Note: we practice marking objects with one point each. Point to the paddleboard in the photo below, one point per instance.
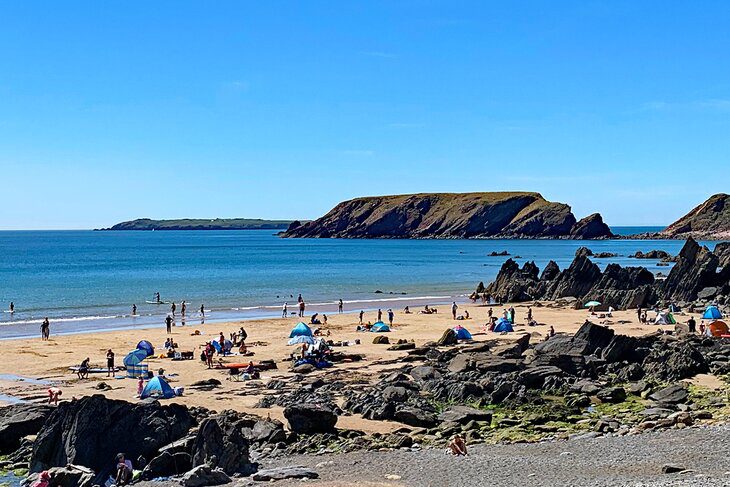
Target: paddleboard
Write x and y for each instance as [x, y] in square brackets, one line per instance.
[155, 302]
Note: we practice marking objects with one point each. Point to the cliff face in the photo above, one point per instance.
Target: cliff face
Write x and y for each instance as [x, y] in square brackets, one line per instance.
[449, 215]
[710, 220]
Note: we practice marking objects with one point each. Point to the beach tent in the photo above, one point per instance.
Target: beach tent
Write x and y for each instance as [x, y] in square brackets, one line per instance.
[147, 347]
[301, 330]
[719, 328]
[503, 325]
[135, 357]
[462, 333]
[664, 318]
[301, 339]
[712, 313]
[227, 346]
[379, 327]
[157, 387]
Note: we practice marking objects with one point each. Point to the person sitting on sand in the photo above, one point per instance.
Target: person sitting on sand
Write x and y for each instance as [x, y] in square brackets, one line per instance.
[251, 371]
[457, 446]
[552, 331]
[314, 320]
[54, 393]
[83, 371]
[407, 310]
[466, 314]
[124, 470]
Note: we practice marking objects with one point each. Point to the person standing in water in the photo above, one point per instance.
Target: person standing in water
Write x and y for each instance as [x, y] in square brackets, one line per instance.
[283, 310]
[134, 310]
[182, 308]
[157, 298]
[300, 299]
[45, 329]
[168, 324]
[173, 308]
[12, 307]
[202, 310]
[340, 306]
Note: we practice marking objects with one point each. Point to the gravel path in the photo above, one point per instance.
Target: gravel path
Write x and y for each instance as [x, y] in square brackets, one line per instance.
[627, 460]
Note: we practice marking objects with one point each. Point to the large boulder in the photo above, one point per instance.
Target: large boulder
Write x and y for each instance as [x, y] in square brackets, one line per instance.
[464, 414]
[167, 464]
[203, 476]
[92, 430]
[283, 473]
[67, 476]
[696, 269]
[19, 420]
[221, 443]
[310, 418]
[590, 227]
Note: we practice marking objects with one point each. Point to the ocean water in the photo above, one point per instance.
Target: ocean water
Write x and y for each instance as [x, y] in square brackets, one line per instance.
[85, 280]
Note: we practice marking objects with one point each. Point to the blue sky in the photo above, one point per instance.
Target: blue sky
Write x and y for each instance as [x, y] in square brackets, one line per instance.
[117, 110]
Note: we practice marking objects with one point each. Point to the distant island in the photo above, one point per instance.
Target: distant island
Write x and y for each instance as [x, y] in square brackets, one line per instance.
[452, 215]
[202, 224]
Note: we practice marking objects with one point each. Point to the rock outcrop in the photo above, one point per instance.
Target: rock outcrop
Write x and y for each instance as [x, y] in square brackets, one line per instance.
[92, 430]
[19, 420]
[452, 215]
[710, 220]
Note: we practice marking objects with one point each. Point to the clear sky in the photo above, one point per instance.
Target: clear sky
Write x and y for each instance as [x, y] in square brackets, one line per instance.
[116, 110]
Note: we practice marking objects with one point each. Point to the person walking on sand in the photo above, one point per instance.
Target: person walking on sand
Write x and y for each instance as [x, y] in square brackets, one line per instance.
[340, 306]
[454, 307]
[172, 309]
[529, 314]
[168, 324]
[362, 313]
[283, 309]
[110, 370]
[390, 316]
[302, 307]
[45, 329]
[638, 314]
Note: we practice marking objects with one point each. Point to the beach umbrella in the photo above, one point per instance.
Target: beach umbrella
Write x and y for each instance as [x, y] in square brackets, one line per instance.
[135, 357]
[712, 313]
[298, 340]
[590, 304]
[147, 347]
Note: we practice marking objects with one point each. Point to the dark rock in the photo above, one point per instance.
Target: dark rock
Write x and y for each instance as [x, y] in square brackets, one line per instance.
[19, 420]
[583, 252]
[381, 340]
[672, 468]
[415, 417]
[282, 473]
[513, 284]
[534, 377]
[67, 476]
[166, 464]
[402, 346]
[310, 418]
[396, 394]
[448, 338]
[204, 475]
[220, 443]
[675, 362]
[673, 394]
[267, 431]
[304, 369]
[612, 395]
[464, 414]
[92, 430]
[424, 372]
[591, 227]
[696, 269]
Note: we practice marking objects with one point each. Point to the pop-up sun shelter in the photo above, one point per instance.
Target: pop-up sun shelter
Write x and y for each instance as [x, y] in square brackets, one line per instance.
[301, 330]
[503, 325]
[718, 329]
[147, 347]
[301, 339]
[712, 313]
[157, 387]
[227, 346]
[462, 333]
[664, 318]
[133, 362]
[379, 327]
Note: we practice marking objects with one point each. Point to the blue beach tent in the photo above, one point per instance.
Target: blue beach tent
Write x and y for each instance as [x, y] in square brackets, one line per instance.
[503, 325]
[379, 327]
[227, 346]
[712, 313]
[462, 333]
[157, 387]
[135, 357]
[147, 347]
[300, 330]
[301, 339]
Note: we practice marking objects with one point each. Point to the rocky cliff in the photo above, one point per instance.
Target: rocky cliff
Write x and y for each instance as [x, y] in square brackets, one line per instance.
[452, 215]
[710, 220]
[700, 276]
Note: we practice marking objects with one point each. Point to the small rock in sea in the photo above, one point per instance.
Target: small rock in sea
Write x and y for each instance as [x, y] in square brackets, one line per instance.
[503, 253]
[672, 468]
[378, 291]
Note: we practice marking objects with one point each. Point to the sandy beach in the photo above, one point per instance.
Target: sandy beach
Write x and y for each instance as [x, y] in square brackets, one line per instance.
[50, 360]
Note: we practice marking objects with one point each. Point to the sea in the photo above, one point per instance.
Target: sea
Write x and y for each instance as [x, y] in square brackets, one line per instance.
[88, 280]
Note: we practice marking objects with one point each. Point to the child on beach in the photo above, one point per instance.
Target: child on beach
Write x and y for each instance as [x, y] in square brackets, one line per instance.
[53, 394]
[140, 386]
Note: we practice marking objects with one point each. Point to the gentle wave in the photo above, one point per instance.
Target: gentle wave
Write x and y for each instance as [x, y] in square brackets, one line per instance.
[60, 320]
